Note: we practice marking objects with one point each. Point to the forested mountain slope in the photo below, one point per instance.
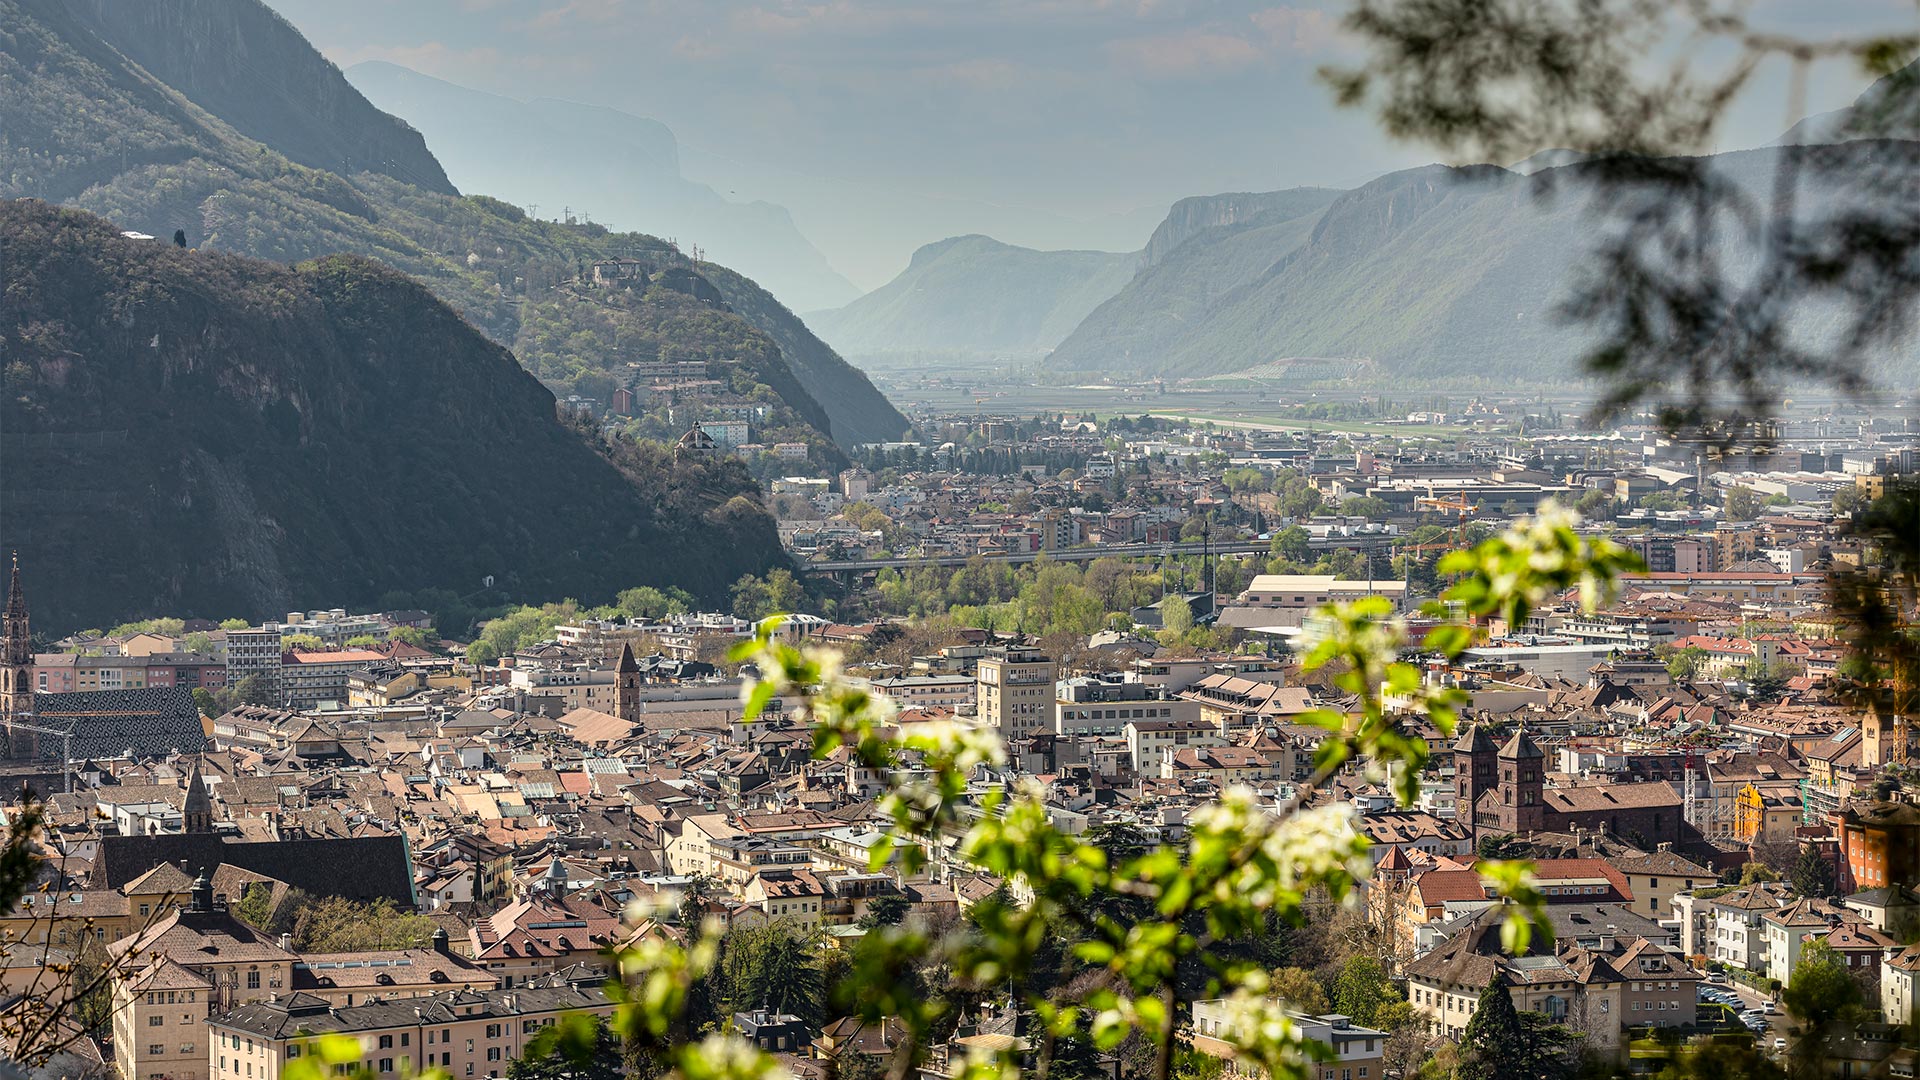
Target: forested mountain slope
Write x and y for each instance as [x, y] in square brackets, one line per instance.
[84, 124]
[207, 434]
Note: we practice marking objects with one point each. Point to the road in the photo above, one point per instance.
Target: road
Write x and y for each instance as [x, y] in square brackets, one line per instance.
[1074, 554]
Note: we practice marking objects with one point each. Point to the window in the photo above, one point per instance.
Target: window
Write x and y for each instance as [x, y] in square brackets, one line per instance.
[155, 1049]
[446, 1059]
[386, 1043]
[186, 1048]
[253, 979]
[493, 1053]
[406, 1038]
[386, 1065]
[155, 1020]
[293, 1051]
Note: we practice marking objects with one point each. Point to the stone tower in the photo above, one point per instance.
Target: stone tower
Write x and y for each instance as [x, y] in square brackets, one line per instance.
[626, 676]
[16, 670]
[1475, 772]
[198, 810]
[1523, 785]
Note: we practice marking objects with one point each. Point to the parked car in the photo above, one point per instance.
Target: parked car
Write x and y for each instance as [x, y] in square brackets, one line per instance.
[1716, 976]
[1779, 1043]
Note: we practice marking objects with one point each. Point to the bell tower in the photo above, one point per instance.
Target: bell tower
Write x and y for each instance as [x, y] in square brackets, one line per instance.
[626, 675]
[198, 810]
[16, 670]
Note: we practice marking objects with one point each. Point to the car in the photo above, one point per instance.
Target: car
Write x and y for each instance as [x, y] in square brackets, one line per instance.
[1779, 1042]
[1773, 1009]
[1716, 976]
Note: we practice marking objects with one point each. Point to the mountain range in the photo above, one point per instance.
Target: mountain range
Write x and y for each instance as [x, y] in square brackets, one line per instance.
[244, 140]
[1458, 275]
[974, 294]
[88, 126]
[624, 169]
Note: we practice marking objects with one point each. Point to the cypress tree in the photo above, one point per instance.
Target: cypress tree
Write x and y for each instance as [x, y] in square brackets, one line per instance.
[1490, 1047]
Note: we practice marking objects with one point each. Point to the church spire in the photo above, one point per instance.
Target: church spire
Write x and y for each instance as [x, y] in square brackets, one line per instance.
[16, 596]
[198, 809]
[16, 669]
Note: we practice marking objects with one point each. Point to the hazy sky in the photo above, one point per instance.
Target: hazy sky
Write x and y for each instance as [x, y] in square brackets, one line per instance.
[885, 124]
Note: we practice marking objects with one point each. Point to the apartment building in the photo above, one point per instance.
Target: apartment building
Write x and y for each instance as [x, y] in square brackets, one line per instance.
[1014, 689]
[312, 679]
[463, 1033]
[255, 653]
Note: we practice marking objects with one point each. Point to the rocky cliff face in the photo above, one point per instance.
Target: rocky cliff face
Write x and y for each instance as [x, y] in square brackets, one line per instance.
[1192, 216]
[248, 66]
[208, 434]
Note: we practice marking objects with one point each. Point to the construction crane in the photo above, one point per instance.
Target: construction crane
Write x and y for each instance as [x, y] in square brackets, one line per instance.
[1446, 504]
[66, 741]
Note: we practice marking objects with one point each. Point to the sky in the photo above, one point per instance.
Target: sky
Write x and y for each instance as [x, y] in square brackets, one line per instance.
[886, 124]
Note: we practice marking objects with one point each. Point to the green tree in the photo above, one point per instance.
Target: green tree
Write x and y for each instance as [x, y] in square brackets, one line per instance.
[1489, 1048]
[1371, 507]
[412, 635]
[204, 701]
[1766, 681]
[1595, 505]
[1741, 504]
[1293, 544]
[337, 924]
[197, 642]
[1683, 664]
[1812, 873]
[647, 602]
[1547, 1047]
[580, 1047]
[254, 690]
[235, 624]
[888, 909]
[1499, 846]
[1849, 500]
[772, 966]
[1363, 990]
[1300, 991]
[482, 653]
[1822, 992]
[1176, 615]
[290, 642]
[1756, 871]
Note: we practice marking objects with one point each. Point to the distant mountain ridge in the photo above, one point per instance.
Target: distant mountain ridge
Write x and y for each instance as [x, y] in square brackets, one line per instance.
[974, 294]
[624, 169]
[1438, 273]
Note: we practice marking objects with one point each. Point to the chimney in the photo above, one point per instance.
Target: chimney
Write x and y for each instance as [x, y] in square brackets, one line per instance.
[441, 944]
[286, 942]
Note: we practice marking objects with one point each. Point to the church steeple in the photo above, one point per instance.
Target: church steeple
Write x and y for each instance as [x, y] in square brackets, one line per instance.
[626, 674]
[198, 809]
[16, 667]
